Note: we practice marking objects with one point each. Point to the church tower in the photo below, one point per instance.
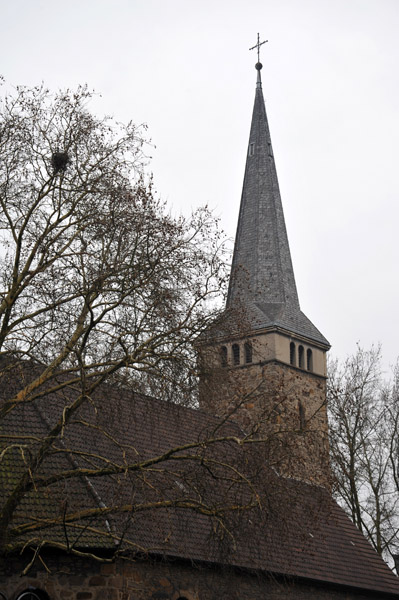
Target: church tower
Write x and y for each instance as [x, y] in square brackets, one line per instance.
[264, 362]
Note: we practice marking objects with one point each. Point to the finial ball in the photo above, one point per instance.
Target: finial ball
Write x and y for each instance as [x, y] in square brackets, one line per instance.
[258, 66]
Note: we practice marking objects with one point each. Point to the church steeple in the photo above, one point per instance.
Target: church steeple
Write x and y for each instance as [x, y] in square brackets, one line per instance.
[262, 280]
[263, 362]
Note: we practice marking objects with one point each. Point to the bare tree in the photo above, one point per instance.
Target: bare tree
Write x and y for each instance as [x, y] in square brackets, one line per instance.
[95, 275]
[364, 429]
[98, 282]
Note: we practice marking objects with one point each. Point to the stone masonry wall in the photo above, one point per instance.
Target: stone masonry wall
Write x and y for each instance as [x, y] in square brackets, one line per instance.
[74, 578]
[275, 398]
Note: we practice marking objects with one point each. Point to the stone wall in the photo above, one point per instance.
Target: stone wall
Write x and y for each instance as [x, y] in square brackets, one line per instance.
[74, 578]
[278, 401]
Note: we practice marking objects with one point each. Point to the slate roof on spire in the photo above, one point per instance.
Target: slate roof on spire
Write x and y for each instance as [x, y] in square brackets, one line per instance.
[262, 280]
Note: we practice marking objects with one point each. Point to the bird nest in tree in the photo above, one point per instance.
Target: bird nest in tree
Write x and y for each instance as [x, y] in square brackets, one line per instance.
[60, 161]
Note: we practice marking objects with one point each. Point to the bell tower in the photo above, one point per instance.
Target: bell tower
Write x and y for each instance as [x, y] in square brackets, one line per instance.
[263, 361]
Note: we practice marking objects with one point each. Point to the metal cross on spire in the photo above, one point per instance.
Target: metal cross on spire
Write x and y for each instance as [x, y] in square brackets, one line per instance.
[258, 45]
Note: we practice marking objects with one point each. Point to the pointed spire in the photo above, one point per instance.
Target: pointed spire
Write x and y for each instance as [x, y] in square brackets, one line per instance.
[262, 280]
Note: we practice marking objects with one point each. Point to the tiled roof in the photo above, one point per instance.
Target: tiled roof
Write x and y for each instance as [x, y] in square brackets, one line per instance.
[298, 531]
[252, 317]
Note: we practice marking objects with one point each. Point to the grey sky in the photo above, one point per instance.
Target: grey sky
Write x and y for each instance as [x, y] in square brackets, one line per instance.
[330, 80]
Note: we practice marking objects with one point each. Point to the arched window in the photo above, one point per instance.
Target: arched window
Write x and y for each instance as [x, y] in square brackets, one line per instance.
[292, 354]
[33, 594]
[248, 352]
[236, 354]
[223, 356]
[309, 360]
[300, 357]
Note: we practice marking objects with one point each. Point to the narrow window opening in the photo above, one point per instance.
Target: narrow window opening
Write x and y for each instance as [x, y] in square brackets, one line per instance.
[251, 149]
[223, 356]
[236, 354]
[309, 360]
[248, 352]
[292, 354]
[302, 416]
[300, 357]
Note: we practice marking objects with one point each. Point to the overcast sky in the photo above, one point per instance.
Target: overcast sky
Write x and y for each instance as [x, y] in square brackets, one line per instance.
[330, 80]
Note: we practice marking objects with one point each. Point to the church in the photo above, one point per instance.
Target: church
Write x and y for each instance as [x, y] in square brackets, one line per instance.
[262, 403]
